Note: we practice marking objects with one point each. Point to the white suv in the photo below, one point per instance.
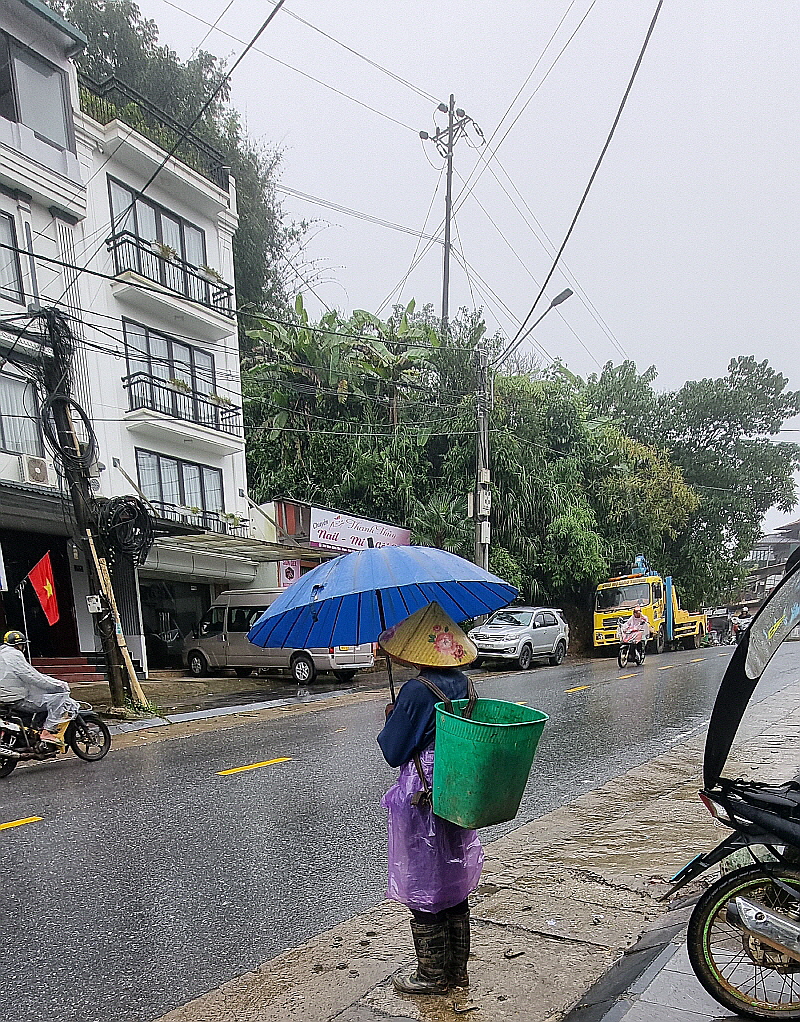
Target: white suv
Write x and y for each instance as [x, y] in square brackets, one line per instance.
[522, 633]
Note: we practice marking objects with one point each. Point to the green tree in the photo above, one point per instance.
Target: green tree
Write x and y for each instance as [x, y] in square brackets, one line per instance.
[721, 434]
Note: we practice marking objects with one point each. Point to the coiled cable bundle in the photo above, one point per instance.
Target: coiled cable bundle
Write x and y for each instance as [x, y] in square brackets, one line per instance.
[127, 527]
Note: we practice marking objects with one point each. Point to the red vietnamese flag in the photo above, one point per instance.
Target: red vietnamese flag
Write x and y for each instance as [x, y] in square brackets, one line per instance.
[41, 578]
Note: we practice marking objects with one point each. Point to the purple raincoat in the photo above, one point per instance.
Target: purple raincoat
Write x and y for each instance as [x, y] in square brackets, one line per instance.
[433, 864]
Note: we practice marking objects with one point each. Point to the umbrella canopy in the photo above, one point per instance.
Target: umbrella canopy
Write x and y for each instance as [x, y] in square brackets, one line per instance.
[778, 615]
[353, 598]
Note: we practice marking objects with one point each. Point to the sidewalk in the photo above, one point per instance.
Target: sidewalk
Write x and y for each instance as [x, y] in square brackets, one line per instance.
[667, 991]
[567, 905]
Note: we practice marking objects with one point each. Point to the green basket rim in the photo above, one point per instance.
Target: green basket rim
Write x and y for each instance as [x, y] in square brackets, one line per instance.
[543, 717]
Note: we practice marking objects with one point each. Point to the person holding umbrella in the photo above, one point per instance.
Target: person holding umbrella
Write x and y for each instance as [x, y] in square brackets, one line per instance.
[433, 864]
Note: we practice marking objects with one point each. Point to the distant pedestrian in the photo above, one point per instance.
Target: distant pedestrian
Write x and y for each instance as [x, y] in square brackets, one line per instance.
[433, 864]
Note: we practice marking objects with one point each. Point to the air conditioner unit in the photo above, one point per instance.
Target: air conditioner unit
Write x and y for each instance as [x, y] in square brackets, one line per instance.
[38, 471]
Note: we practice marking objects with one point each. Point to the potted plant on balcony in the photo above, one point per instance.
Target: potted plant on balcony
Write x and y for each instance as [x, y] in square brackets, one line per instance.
[220, 400]
[211, 275]
[167, 252]
[231, 519]
[180, 386]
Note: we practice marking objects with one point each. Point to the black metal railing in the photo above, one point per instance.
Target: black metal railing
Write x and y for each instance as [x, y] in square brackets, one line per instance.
[158, 395]
[212, 521]
[112, 100]
[150, 260]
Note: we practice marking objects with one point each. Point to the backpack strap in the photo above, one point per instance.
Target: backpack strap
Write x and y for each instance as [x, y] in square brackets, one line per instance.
[472, 695]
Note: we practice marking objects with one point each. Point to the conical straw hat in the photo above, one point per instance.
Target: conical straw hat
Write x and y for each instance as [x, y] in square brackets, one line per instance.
[428, 638]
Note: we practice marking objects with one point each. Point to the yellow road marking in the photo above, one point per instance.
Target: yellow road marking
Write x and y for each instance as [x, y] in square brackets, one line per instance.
[722, 654]
[622, 676]
[697, 660]
[339, 730]
[523, 703]
[580, 688]
[668, 667]
[253, 766]
[20, 823]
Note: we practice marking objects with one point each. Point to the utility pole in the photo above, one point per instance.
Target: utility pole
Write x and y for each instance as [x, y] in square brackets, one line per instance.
[445, 139]
[448, 215]
[482, 497]
[74, 457]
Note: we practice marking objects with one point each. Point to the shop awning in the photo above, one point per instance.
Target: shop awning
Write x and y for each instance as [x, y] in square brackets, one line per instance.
[238, 546]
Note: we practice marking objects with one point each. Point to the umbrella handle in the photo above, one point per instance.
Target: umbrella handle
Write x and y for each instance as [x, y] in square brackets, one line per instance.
[382, 617]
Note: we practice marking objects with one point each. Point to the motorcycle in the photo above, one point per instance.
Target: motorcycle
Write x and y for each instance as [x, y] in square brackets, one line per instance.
[631, 651]
[20, 738]
[743, 938]
[631, 644]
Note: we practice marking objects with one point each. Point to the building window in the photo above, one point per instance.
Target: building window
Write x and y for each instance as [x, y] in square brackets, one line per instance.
[164, 358]
[154, 224]
[19, 424]
[179, 483]
[34, 93]
[10, 274]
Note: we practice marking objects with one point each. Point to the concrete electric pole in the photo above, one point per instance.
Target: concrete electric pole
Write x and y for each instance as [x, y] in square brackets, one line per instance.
[482, 497]
[445, 139]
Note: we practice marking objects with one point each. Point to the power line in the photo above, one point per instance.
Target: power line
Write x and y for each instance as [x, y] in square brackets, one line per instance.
[568, 273]
[297, 70]
[368, 60]
[237, 313]
[211, 28]
[485, 154]
[353, 212]
[422, 234]
[169, 154]
[486, 159]
[520, 336]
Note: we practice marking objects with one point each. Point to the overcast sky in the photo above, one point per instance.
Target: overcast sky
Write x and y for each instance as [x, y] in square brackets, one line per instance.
[688, 245]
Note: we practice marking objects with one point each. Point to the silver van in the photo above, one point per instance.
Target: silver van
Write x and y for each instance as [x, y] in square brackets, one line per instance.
[220, 640]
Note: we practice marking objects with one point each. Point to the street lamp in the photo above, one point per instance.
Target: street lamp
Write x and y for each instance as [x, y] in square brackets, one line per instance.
[565, 294]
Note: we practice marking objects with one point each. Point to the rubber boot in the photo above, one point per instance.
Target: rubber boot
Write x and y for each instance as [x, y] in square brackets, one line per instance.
[457, 950]
[430, 943]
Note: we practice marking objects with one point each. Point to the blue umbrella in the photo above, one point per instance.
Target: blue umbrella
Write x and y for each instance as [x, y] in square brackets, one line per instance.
[353, 598]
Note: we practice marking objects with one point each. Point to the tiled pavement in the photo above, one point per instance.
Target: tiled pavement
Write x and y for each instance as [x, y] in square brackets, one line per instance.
[652, 982]
[667, 991]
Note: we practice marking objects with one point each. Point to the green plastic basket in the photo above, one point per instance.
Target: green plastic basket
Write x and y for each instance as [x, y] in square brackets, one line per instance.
[482, 764]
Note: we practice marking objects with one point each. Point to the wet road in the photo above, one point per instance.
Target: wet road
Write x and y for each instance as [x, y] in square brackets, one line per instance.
[155, 878]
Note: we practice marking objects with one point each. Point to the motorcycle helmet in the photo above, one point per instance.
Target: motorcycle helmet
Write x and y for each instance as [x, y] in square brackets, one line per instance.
[15, 638]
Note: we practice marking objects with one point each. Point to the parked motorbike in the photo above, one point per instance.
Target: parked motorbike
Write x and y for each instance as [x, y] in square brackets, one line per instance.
[20, 738]
[743, 938]
[631, 651]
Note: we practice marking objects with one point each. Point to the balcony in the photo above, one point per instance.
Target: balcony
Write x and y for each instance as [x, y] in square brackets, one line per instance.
[114, 100]
[188, 299]
[184, 415]
[195, 518]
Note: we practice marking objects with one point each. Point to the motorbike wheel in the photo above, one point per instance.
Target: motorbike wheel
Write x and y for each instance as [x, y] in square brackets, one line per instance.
[746, 976]
[622, 655]
[6, 766]
[89, 737]
[640, 655]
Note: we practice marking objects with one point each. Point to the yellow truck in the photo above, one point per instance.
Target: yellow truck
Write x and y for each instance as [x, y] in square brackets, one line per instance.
[615, 599]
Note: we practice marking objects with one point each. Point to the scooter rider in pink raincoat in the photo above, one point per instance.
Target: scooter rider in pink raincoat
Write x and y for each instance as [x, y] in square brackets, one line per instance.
[635, 630]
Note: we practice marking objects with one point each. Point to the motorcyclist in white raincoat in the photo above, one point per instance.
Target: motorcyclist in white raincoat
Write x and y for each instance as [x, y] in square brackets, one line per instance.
[23, 688]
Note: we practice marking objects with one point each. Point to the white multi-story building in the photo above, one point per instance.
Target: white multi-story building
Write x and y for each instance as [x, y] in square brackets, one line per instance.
[42, 199]
[137, 248]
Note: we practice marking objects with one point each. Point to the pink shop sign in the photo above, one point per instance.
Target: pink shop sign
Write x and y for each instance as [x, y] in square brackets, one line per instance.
[334, 531]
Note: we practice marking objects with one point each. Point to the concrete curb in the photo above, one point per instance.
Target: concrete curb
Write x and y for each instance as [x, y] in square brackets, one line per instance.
[627, 973]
